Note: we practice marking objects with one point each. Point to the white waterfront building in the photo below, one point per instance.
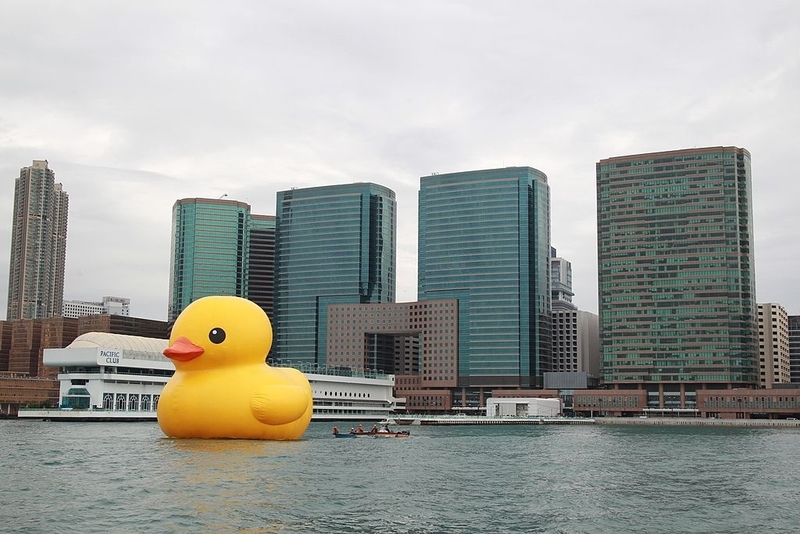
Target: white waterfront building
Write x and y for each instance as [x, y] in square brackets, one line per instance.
[118, 377]
[523, 407]
[109, 306]
[112, 373]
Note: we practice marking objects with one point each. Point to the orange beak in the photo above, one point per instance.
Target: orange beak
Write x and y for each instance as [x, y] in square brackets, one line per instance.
[183, 350]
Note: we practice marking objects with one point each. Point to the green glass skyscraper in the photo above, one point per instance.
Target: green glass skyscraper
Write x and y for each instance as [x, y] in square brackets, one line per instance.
[484, 239]
[335, 244]
[210, 251]
[676, 273]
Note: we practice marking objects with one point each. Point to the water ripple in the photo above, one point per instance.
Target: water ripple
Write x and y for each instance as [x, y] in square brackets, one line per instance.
[127, 477]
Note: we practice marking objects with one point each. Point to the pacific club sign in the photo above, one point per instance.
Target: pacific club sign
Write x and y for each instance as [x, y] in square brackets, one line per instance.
[110, 356]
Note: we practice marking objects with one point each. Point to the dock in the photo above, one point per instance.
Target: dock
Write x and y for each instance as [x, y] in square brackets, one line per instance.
[442, 420]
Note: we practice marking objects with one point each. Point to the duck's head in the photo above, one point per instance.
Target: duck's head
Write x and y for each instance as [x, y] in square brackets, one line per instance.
[219, 331]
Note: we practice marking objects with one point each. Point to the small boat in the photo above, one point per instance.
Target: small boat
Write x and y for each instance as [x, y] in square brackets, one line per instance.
[379, 434]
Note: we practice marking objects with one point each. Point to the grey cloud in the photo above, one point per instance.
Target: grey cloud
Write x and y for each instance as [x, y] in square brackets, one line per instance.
[137, 104]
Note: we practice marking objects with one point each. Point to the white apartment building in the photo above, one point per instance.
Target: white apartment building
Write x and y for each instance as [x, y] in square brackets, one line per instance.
[109, 306]
[576, 342]
[773, 345]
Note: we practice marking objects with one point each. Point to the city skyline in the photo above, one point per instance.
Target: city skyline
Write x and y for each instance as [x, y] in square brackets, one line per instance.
[319, 96]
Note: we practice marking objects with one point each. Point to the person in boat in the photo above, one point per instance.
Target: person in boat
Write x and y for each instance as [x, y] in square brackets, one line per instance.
[374, 429]
[352, 430]
[360, 428]
[386, 429]
[335, 430]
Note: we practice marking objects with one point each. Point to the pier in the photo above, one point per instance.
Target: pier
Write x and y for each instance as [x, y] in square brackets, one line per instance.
[440, 420]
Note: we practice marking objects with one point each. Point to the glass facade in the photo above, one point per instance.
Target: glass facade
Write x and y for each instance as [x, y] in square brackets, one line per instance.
[261, 277]
[676, 272]
[210, 251]
[335, 245]
[484, 239]
[794, 348]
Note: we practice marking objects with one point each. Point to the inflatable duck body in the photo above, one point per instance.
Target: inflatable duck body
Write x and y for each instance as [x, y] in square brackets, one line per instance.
[222, 387]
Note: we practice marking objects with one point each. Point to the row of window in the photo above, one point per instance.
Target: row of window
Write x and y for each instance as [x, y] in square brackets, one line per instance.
[617, 401]
[130, 402]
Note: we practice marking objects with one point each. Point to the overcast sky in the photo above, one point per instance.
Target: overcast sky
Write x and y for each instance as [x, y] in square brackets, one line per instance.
[138, 104]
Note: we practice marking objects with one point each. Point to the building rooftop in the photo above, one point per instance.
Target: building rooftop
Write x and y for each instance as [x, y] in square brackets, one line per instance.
[143, 348]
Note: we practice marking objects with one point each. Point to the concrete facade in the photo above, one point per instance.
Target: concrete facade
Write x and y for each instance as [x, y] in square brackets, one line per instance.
[415, 341]
[773, 345]
[576, 342]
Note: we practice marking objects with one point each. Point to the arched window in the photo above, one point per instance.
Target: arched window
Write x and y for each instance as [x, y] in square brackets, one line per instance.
[122, 401]
[133, 403]
[145, 403]
[108, 401]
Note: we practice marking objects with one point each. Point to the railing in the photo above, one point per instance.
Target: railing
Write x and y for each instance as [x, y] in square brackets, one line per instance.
[69, 409]
[335, 370]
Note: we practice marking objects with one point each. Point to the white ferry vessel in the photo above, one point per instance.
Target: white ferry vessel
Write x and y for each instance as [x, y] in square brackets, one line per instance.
[114, 377]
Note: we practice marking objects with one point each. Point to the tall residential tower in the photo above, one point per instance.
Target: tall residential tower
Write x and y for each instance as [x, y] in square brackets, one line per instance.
[676, 273]
[484, 240]
[38, 245]
[335, 245]
[773, 345]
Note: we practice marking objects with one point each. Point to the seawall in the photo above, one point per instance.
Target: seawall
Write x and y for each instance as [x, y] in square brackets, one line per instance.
[696, 421]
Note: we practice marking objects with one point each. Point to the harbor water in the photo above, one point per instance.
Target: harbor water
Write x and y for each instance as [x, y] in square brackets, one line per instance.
[128, 477]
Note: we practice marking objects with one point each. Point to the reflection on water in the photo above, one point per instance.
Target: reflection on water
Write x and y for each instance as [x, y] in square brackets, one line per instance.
[231, 481]
[127, 477]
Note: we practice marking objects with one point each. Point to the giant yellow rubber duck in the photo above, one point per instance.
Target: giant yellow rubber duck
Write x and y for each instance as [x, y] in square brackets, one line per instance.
[222, 387]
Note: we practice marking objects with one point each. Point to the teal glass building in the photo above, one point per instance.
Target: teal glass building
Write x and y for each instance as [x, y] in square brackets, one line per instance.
[676, 273]
[210, 251]
[484, 239]
[335, 245]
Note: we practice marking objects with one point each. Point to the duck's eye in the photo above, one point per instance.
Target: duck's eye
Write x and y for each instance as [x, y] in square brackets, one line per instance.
[217, 335]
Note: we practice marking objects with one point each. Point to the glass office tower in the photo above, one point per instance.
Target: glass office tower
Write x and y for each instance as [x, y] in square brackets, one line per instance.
[676, 273]
[210, 251]
[335, 245]
[38, 245]
[484, 239]
[794, 348]
[261, 279]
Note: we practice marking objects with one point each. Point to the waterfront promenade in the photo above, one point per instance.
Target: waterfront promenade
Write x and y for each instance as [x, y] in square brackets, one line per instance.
[697, 421]
[445, 420]
[450, 420]
[442, 420]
